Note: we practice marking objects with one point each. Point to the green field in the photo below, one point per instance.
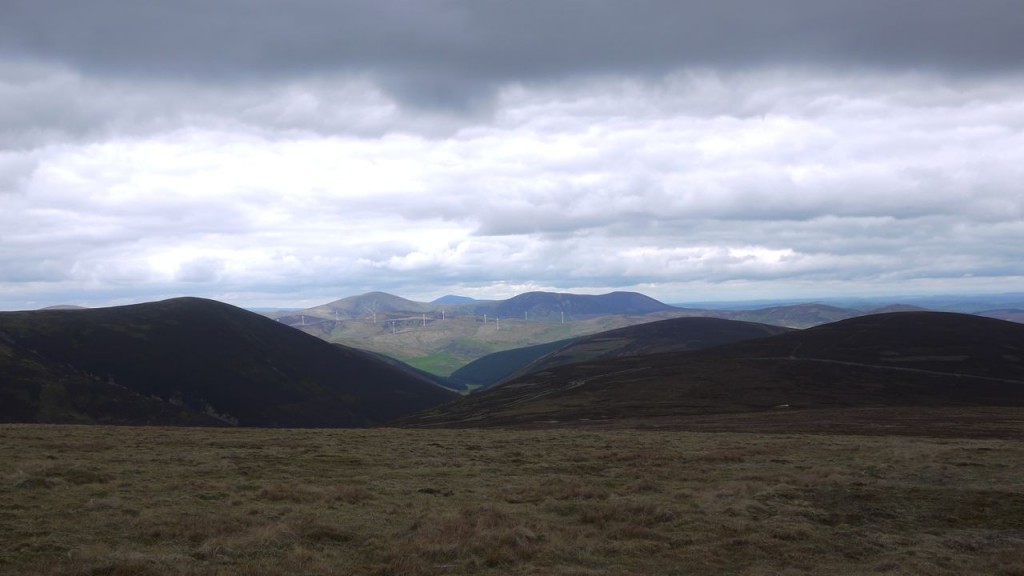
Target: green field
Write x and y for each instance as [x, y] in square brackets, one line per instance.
[104, 500]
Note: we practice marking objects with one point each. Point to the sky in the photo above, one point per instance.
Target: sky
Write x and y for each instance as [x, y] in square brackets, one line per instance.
[287, 154]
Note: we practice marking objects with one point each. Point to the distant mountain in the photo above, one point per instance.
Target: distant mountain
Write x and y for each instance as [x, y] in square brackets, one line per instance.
[1008, 314]
[196, 362]
[915, 359]
[444, 338]
[452, 299]
[972, 303]
[896, 308]
[366, 305]
[551, 305]
[531, 305]
[792, 316]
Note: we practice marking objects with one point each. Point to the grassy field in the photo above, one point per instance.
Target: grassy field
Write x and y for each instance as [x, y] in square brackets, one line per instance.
[118, 501]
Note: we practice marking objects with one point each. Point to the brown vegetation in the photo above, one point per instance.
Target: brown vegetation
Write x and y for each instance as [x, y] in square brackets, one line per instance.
[102, 500]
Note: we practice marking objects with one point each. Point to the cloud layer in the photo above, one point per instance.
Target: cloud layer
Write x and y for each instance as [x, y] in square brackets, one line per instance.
[286, 154]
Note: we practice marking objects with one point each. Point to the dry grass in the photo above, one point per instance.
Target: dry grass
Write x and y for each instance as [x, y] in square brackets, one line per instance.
[111, 501]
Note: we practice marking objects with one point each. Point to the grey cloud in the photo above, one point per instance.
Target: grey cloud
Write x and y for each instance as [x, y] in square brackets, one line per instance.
[445, 53]
[43, 104]
[15, 170]
[201, 270]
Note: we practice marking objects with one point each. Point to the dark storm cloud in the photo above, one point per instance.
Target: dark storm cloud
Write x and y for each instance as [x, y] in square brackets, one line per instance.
[439, 53]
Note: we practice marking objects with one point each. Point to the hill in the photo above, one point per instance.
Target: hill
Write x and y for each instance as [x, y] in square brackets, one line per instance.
[192, 361]
[368, 306]
[442, 338]
[493, 368]
[1009, 314]
[549, 305]
[916, 359]
[791, 316]
[454, 299]
[675, 334]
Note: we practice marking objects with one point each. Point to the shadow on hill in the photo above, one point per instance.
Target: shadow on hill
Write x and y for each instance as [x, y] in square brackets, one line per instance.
[910, 359]
[192, 361]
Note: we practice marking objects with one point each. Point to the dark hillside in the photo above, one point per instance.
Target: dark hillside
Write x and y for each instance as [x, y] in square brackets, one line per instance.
[675, 334]
[200, 359]
[672, 335]
[495, 367]
[912, 359]
[937, 341]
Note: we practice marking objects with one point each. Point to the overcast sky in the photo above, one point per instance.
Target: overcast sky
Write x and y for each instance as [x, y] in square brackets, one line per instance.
[271, 153]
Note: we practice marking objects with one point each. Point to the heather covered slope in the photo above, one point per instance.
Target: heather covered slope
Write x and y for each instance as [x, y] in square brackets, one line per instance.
[497, 366]
[672, 335]
[192, 361]
[912, 359]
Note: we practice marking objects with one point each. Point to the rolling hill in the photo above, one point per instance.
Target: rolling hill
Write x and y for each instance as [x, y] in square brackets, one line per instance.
[448, 334]
[906, 359]
[196, 362]
[790, 316]
[443, 337]
[367, 306]
[549, 305]
[493, 368]
[672, 335]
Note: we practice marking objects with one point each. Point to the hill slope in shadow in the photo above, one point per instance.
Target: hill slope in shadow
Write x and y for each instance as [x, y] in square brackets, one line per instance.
[915, 359]
[192, 361]
[672, 335]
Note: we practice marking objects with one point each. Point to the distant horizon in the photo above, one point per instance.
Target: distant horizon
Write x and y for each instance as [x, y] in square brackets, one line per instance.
[696, 303]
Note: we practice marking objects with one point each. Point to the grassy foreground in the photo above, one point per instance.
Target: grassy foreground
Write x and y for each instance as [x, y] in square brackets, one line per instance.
[101, 500]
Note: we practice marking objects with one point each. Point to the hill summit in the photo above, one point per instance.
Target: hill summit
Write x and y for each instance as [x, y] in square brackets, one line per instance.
[577, 306]
[192, 361]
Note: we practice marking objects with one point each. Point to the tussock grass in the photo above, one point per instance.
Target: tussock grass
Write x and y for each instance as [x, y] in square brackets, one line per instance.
[109, 501]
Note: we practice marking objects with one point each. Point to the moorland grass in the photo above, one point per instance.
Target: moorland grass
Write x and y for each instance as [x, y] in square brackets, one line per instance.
[78, 500]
